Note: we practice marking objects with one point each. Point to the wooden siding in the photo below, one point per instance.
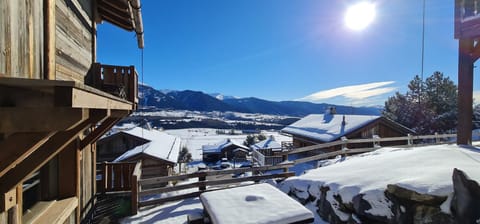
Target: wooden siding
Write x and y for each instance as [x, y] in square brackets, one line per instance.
[74, 38]
[21, 38]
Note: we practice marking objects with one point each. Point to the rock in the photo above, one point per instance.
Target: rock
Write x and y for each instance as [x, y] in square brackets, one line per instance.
[360, 207]
[465, 203]
[430, 215]
[426, 199]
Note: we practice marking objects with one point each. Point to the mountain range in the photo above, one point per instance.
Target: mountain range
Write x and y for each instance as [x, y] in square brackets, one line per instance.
[199, 101]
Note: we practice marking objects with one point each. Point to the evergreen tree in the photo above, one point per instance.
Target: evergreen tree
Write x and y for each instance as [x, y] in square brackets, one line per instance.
[476, 117]
[427, 107]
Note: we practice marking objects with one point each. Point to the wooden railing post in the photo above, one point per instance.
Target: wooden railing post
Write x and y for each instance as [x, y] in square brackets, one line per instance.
[104, 177]
[437, 138]
[284, 160]
[134, 195]
[136, 188]
[201, 178]
[409, 140]
[376, 141]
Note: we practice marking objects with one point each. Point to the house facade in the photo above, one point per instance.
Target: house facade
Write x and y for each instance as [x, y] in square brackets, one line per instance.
[157, 150]
[56, 100]
[322, 128]
[224, 149]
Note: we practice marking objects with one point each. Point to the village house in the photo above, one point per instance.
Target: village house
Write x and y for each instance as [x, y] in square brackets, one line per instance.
[323, 128]
[56, 102]
[157, 150]
[224, 149]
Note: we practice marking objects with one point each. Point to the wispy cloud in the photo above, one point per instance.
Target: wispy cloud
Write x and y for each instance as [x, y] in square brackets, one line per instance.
[360, 94]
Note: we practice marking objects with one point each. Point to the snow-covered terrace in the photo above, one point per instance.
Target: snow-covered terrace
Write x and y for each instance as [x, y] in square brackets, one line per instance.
[426, 170]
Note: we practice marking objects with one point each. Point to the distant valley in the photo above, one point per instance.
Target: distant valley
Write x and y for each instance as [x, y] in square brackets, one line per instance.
[170, 109]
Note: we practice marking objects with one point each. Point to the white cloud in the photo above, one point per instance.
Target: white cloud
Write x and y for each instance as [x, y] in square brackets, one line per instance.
[360, 94]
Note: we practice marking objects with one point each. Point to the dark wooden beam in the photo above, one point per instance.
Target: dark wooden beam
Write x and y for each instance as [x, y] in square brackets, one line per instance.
[465, 92]
[18, 146]
[105, 125]
[23, 119]
[43, 154]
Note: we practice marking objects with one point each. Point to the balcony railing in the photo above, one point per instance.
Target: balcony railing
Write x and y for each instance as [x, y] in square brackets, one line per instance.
[121, 81]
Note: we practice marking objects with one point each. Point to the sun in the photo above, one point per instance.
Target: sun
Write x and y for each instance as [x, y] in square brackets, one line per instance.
[360, 15]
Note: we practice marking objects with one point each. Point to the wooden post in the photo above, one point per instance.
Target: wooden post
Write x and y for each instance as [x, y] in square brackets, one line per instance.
[284, 159]
[103, 187]
[202, 177]
[465, 92]
[49, 39]
[409, 141]
[134, 195]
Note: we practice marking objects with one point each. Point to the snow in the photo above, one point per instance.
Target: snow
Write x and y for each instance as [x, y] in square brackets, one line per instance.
[170, 213]
[195, 138]
[268, 143]
[328, 127]
[425, 170]
[161, 145]
[259, 203]
[217, 147]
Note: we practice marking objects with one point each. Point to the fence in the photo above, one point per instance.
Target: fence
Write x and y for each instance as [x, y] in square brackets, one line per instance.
[205, 179]
[376, 141]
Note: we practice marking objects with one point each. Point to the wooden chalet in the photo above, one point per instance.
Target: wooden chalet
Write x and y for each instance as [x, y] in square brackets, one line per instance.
[224, 149]
[56, 100]
[322, 128]
[157, 150]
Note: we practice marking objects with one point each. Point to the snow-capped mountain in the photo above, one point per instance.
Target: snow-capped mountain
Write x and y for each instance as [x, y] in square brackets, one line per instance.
[199, 101]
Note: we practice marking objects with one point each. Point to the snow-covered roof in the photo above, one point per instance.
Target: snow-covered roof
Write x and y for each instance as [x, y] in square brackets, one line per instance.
[328, 127]
[258, 203]
[161, 145]
[268, 143]
[425, 170]
[217, 147]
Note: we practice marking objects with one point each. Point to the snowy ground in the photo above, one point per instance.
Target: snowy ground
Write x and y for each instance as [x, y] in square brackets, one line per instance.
[194, 138]
[423, 169]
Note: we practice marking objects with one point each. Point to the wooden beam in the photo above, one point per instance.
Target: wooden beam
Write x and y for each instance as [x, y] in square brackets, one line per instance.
[465, 92]
[99, 131]
[49, 39]
[18, 146]
[79, 98]
[44, 154]
[22, 119]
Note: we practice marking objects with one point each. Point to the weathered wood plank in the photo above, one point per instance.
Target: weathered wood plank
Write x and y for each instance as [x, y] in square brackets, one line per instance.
[158, 180]
[49, 39]
[214, 182]
[18, 146]
[20, 119]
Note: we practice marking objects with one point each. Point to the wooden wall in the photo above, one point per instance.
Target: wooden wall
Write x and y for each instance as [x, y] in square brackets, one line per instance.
[74, 39]
[21, 38]
[87, 179]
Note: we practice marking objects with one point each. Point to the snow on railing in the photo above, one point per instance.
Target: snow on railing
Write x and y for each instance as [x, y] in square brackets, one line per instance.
[376, 141]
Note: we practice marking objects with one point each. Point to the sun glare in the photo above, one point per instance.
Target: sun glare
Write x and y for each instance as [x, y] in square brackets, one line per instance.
[360, 15]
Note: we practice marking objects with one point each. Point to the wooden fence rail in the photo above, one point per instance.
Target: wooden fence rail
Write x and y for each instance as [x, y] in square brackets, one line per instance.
[114, 176]
[203, 182]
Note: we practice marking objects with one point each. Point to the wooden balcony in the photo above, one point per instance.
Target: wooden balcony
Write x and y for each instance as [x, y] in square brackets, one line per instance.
[120, 81]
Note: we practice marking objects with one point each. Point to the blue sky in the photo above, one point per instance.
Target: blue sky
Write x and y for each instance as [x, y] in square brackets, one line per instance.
[286, 50]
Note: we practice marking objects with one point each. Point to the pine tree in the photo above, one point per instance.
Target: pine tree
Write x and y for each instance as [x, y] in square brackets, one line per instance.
[427, 107]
